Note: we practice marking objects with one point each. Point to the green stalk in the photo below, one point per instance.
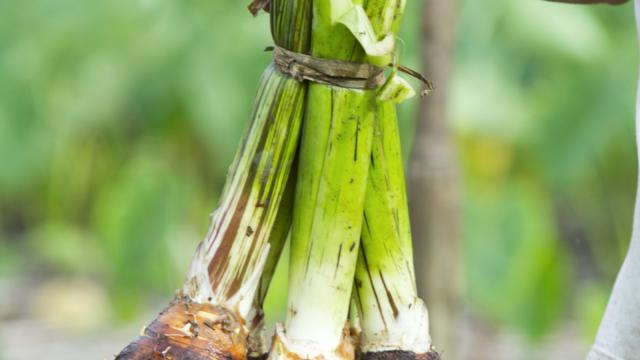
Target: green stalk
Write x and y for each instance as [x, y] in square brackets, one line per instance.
[226, 269]
[237, 247]
[257, 345]
[391, 316]
[209, 319]
[228, 265]
[392, 320]
[327, 219]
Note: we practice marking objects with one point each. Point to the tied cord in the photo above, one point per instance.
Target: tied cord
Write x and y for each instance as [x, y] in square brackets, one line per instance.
[338, 73]
[331, 72]
[256, 5]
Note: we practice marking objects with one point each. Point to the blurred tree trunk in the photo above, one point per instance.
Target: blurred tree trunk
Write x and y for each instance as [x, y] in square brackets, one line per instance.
[433, 181]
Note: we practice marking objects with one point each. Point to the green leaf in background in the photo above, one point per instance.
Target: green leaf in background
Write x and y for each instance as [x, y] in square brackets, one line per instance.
[517, 272]
[135, 217]
[543, 103]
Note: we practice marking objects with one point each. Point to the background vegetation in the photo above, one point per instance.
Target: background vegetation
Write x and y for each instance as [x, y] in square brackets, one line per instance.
[119, 118]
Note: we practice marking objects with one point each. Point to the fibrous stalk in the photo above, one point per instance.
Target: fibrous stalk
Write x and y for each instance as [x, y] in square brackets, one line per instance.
[392, 319]
[334, 159]
[258, 346]
[227, 266]
[208, 319]
[327, 219]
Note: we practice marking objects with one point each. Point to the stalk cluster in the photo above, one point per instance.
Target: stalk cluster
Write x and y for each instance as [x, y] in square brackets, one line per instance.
[319, 164]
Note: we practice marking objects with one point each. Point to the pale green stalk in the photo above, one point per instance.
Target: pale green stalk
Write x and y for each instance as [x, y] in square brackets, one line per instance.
[291, 28]
[334, 160]
[391, 316]
[327, 220]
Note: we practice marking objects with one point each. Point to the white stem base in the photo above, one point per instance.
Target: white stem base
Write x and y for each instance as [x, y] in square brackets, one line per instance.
[288, 349]
[198, 284]
[409, 331]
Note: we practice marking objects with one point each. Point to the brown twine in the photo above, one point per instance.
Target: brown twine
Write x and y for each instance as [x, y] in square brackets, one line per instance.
[338, 73]
[332, 72]
[427, 84]
[256, 5]
[325, 71]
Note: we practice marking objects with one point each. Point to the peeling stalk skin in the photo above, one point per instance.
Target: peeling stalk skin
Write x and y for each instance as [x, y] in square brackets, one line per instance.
[290, 29]
[256, 342]
[225, 274]
[186, 330]
[278, 237]
[228, 264]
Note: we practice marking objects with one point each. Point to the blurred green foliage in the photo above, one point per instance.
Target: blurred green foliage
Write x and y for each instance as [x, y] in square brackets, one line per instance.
[119, 118]
[543, 106]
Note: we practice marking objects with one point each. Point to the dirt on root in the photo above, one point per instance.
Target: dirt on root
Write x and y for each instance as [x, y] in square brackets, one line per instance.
[187, 330]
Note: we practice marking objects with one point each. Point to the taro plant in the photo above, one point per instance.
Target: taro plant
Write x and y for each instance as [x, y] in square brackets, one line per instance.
[321, 163]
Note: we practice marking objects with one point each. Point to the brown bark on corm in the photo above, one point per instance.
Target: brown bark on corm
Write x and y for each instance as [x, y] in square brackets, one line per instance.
[187, 330]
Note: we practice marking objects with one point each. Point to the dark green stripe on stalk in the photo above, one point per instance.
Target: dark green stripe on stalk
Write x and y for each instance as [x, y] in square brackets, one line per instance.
[327, 219]
[226, 269]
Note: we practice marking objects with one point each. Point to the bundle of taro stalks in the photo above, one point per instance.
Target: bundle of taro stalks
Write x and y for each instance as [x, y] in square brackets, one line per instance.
[320, 164]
